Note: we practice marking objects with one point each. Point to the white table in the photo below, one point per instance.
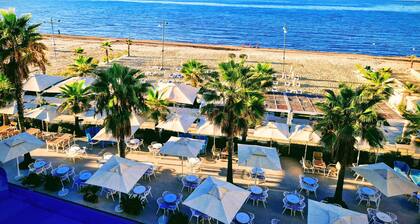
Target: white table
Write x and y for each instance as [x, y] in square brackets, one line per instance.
[191, 178]
[157, 145]
[256, 190]
[384, 217]
[292, 198]
[139, 189]
[242, 217]
[367, 191]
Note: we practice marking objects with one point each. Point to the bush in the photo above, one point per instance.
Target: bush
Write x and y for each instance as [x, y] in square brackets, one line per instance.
[90, 193]
[32, 180]
[178, 218]
[52, 183]
[404, 141]
[132, 206]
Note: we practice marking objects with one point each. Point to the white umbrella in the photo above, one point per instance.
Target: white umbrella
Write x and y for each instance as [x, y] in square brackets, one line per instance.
[11, 109]
[392, 133]
[44, 113]
[57, 87]
[258, 156]
[273, 131]
[118, 174]
[15, 146]
[40, 82]
[182, 147]
[383, 177]
[177, 123]
[178, 92]
[218, 199]
[304, 134]
[322, 213]
[206, 127]
[103, 135]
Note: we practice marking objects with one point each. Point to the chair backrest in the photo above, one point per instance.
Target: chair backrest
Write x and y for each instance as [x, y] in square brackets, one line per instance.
[317, 155]
[415, 176]
[401, 166]
[89, 137]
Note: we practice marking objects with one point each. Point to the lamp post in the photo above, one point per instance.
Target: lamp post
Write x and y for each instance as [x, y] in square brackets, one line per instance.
[163, 26]
[51, 22]
[284, 45]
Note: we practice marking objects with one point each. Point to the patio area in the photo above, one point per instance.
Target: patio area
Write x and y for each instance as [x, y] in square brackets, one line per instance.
[168, 168]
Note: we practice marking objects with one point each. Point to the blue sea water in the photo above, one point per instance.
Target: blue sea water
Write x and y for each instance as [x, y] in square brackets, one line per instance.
[376, 27]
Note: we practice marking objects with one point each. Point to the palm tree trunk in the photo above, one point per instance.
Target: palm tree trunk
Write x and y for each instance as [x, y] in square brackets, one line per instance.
[128, 50]
[4, 119]
[76, 126]
[121, 146]
[107, 57]
[230, 143]
[338, 195]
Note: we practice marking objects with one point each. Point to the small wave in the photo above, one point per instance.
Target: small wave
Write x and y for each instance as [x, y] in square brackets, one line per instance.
[382, 8]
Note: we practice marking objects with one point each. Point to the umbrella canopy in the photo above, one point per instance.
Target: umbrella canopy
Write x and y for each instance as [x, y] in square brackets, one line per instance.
[304, 134]
[206, 127]
[322, 213]
[89, 117]
[218, 199]
[179, 122]
[118, 174]
[12, 108]
[183, 147]
[103, 135]
[392, 133]
[44, 113]
[178, 92]
[15, 146]
[57, 87]
[258, 156]
[273, 131]
[383, 177]
[40, 82]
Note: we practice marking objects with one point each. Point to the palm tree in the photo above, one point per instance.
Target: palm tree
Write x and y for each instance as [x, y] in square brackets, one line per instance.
[107, 46]
[414, 118]
[379, 81]
[79, 50]
[194, 72]
[157, 107]
[347, 115]
[129, 43]
[242, 102]
[119, 92]
[412, 58]
[6, 93]
[409, 89]
[20, 47]
[77, 98]
[83, 65]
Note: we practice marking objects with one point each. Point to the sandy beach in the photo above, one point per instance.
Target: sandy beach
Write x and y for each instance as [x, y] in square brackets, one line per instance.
[317, 70]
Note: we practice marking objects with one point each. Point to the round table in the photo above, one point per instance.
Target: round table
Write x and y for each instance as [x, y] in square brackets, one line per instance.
[292, 198]
[85, 176]
[191, 178]
[62, 170]
[169, 198]
[367, 191]
[242, 217]
[309, 180]
[256, 190]
[74, 148]
[257, 170]
[139, 189]
[384, 217]
[39, 164]
[157, 145]
[134, 141]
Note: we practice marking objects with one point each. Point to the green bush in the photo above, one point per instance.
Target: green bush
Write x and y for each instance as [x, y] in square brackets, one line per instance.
[178, 218]
[404, 141]
[32, 180]
[90, 193]
[132, 206]
[52, 183]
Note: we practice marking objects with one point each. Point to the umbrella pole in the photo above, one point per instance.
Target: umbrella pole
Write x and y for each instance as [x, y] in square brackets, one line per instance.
[358, 156]
[182, 166]
[18, 170]
[42, 125]
[289, 148]
[306, 151]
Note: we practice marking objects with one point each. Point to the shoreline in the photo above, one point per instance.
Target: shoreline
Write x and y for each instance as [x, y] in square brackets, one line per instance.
[156, 43]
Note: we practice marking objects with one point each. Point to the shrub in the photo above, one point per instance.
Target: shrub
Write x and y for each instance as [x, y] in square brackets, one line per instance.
[132, 206]
[178, 218]
[32, 180]
[90, 193]
[52, 183]
[404, 141]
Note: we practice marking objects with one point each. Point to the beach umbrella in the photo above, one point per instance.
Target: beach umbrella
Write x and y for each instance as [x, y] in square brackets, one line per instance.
[391, 133]
[304, 134]
[182, 147]
[178, 92]
[57, 87]
[104, 135]
[258, 156]
[40, 82]
[44, 113]
[218, 199]
[322, 213]
[206, 127]
[386, 179]
[118, 174]
[11, 109]
[177, 122]
[15, 146]
[274, 131]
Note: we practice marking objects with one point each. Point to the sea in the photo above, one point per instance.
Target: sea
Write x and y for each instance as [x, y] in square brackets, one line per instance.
[374, 27]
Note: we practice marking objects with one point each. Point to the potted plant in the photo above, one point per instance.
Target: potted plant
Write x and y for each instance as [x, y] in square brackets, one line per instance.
[52, 183]
[132, 206]
[90, 193]
[32, 180]
[178, 218]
